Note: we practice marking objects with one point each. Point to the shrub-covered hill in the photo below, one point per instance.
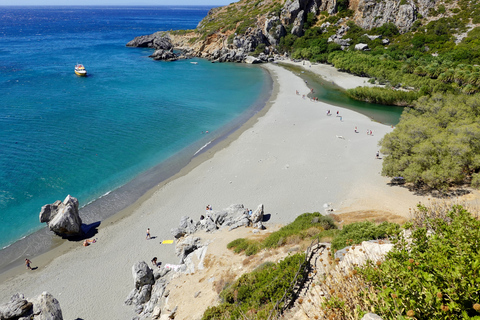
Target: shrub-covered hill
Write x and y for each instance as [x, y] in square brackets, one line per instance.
[432, 272]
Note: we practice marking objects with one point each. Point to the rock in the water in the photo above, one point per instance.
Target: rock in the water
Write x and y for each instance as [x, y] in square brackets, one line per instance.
[62, 217]
[166, 55]
[252, 60]
[158, 40]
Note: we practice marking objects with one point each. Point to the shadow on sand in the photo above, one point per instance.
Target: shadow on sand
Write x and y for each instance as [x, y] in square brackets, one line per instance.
[88, 231]
[266, 217]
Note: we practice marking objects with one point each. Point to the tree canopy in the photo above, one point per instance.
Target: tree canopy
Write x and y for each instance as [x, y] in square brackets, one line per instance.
[436, 143]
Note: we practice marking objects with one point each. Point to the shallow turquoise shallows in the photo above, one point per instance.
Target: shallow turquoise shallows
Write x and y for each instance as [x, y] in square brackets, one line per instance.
[62, 134]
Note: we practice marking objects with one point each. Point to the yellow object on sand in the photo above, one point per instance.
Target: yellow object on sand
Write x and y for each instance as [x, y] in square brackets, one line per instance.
[167, 241]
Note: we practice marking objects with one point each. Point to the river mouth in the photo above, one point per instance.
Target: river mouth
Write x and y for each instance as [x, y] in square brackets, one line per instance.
[330, 93]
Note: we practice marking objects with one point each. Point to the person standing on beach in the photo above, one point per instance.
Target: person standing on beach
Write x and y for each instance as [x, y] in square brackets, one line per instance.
[28, 263]
[148, 234]
[378, 155]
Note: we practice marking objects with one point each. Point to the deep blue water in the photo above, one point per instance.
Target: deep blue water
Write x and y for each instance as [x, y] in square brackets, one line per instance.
[61, 134]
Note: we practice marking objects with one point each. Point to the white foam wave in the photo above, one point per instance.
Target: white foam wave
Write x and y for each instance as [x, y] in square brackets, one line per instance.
[203, 147]
[106, 193]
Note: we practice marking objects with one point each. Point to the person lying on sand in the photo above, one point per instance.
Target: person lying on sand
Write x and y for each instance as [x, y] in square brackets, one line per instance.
[87, 242]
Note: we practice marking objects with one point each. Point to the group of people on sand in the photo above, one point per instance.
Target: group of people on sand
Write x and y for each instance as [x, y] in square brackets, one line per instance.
[304, 96]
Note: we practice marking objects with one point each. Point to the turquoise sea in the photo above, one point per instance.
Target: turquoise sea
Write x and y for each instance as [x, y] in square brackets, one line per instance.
[109, 137]
[133, 122]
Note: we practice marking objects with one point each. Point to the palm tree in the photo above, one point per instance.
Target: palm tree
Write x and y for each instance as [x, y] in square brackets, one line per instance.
[469, 89]
[474, 78]
[420, 71]
[432, 71]
[459, 76]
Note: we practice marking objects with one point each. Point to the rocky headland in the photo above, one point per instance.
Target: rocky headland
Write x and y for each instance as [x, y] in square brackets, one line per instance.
[256, 32]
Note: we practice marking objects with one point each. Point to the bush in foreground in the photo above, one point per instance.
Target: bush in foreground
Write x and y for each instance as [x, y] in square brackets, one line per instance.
[255, 294]
[357, 232]
[436, 275]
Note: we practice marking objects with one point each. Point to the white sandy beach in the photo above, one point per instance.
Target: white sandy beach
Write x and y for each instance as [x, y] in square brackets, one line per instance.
[293, 159]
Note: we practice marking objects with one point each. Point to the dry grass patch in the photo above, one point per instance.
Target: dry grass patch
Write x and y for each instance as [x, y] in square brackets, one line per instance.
[378, 216]
[226, 278]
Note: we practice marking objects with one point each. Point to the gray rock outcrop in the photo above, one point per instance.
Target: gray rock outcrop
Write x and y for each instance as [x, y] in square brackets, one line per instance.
[158, 40]
[361, 46]
[371, 316]
[233, 217]
[44, 307]
[371, 13]
[150, 293]
[257, 215]
[143, 279]
[166, 55]
[62, 217]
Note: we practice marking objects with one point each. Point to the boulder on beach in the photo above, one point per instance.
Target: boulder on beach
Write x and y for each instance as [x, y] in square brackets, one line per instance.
[144, 280]
[43, 307]
[62, 217]
[257, 215]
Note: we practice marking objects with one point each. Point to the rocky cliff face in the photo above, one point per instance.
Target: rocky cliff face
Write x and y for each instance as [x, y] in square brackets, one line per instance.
[278, 18]
[403, 13]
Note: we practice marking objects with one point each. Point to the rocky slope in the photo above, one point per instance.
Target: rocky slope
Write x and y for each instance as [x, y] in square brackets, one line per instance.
[249, 27]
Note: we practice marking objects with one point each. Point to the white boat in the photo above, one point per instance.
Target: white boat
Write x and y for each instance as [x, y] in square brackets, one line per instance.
[80, 70]
[194, 62]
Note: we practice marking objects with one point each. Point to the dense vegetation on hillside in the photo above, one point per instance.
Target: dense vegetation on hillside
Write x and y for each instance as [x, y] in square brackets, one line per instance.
[434, 145]
[438, 57]
[426, 59]
[433, 273]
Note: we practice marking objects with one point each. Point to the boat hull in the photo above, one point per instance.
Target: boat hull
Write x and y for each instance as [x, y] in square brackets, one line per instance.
[80, 70]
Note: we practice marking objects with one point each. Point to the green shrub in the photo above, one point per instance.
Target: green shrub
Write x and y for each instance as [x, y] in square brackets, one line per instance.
[437, 143]
[259, 49]
[357, 232]
[257, 292]
[435, 273]
[250, 247]
[302, 222]
[384, 95]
